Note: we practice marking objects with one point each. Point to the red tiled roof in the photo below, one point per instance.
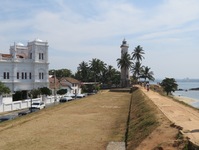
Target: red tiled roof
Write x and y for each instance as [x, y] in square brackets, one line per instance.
[69, 79]
[10, 55]
[53, 83]
[7, 55]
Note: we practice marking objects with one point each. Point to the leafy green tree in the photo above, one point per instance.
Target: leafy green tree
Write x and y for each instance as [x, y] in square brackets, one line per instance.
[147, 74]
[97, 70]
[45, 91]
[137, 54]
[116, 78]
[62, 91]
[89, 88]
[18, 95]
[107, 76]
[110, 71]
[169, 85]
[61, 73]
[4, 89]
[84, 88]
[112, 76]
[35, 93]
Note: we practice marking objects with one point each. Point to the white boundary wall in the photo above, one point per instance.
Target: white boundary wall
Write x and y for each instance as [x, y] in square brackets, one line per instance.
[17, 105]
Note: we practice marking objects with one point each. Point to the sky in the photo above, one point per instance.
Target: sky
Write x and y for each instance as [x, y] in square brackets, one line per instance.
[80, 30]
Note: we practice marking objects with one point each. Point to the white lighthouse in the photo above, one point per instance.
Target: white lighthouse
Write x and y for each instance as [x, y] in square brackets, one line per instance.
[125, 79]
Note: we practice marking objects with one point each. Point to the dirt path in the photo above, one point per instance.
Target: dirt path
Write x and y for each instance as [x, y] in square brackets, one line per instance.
[89, 123]
[181, 115]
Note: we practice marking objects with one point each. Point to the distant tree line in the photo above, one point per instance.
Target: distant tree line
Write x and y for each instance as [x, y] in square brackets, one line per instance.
[61, 73]
[94, 70]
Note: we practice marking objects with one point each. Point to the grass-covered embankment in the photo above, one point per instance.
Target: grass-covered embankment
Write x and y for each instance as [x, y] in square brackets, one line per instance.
[89, 123]
[142, 119]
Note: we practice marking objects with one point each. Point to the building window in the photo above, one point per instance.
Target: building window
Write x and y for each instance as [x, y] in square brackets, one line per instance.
[6, 75]
[30, 55]
[17, 75]
[25, 75]
[41, 75]
[30, 75]
[22, 75]
[41, 56]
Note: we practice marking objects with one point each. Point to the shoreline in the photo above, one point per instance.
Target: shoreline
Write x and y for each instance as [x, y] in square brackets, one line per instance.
[187, 100]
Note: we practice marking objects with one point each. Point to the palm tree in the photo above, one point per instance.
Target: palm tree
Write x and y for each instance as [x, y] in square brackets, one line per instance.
[116, 78]
[83, 71]
[137, 54]
[110, 72]
[97, 67]
[125, 64]
[137, 69]
[124, 61]
[147, 74]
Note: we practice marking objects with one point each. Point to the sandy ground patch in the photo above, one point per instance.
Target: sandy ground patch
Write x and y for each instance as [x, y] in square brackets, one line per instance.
[185, 99]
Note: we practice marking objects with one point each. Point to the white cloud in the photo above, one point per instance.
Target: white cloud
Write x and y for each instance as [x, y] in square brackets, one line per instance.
[94, 29]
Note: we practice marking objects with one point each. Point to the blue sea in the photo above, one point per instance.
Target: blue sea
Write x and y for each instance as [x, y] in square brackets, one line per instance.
[185, 85]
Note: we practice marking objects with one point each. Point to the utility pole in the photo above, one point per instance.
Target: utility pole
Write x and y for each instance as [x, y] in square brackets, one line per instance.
[54, 86]
[31, 96]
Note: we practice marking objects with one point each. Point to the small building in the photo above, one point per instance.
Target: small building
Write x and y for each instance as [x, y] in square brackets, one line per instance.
[54, 84]
[72, 85]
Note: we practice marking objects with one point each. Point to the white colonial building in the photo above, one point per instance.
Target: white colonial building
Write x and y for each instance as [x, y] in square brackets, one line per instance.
[26, 67]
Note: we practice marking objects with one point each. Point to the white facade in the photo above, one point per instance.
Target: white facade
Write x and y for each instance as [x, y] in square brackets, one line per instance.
[125, 78]
[72, 85]
[26, 67]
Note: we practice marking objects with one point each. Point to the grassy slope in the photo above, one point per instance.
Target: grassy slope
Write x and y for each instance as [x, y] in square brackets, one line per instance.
[88, 123]
[142, 119]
